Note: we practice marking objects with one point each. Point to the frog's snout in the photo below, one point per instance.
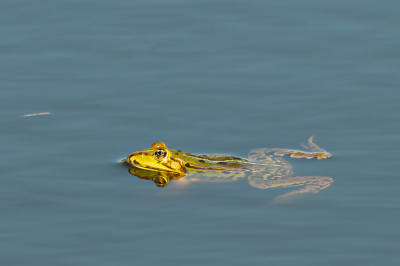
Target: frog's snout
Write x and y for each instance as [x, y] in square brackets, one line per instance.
[132, 159]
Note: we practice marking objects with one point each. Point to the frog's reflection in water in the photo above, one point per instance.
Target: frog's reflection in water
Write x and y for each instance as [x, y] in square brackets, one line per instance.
[160, 178]
[307, 184]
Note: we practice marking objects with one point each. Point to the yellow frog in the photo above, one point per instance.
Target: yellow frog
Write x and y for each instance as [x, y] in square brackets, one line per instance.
[264, 169]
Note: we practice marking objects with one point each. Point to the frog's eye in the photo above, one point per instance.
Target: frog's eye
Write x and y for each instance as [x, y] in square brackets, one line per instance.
[160, 154]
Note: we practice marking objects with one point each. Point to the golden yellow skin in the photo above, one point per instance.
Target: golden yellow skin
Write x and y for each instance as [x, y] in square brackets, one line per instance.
[264, 169]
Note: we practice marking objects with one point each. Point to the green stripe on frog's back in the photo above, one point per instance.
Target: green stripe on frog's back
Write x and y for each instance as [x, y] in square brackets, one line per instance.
[222, 161]
[226, 161]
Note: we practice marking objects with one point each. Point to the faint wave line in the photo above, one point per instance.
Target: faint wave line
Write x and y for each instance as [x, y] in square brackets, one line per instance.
[45, 113]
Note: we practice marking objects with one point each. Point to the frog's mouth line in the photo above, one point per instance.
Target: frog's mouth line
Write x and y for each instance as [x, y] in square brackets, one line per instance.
[148, 168]
[136, 164]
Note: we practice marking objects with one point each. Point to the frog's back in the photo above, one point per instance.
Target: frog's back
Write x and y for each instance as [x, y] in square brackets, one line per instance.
[211, 160]
[232, 168]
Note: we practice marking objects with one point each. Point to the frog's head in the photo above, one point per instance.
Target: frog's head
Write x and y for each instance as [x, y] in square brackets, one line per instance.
[156, 158]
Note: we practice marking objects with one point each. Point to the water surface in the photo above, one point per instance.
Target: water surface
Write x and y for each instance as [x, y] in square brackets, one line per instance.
[220, 77]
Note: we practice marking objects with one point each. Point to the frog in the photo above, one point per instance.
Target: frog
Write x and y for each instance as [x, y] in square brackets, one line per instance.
[264, 168]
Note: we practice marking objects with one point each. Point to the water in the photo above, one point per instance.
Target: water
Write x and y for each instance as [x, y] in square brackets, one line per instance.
[206, 77]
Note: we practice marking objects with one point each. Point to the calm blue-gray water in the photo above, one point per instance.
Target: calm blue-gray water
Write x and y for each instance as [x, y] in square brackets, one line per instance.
[217, 77]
